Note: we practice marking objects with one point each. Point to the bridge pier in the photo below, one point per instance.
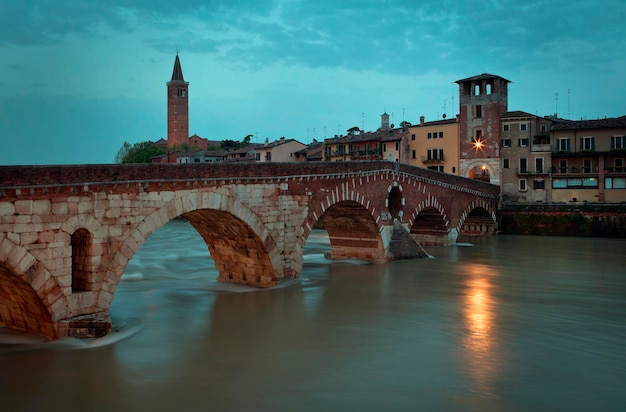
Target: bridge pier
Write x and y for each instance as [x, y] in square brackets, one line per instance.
[94, 325]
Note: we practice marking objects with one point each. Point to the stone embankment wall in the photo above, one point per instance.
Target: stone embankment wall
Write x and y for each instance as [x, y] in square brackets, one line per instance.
[564, 220]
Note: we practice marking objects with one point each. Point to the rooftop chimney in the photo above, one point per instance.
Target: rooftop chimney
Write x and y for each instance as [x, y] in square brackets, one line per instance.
[421, 120]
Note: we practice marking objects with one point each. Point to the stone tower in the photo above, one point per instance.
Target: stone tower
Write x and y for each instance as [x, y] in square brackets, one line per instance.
[483, 99]
[384, 121]
[177, 107]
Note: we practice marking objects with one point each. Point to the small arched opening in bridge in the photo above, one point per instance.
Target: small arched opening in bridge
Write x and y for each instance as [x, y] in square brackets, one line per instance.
[21, 309]
[352, 232]
[395, 202]
[479, 221]
[429, 227]
[239, 253]
[81, 264]
[480, 172]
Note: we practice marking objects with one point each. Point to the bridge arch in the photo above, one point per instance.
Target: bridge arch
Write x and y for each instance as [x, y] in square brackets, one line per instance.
[429, 224]
[477, 218]
[241, 246]
[30, 298]
[353, 228]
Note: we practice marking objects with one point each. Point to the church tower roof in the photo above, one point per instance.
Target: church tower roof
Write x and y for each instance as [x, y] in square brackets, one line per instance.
[177, 74]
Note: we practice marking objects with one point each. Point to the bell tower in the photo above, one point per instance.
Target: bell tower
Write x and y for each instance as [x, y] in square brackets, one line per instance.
[483, 99]
[177, 107]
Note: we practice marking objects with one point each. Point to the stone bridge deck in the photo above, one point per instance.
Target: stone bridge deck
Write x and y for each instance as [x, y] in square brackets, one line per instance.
[68, 232]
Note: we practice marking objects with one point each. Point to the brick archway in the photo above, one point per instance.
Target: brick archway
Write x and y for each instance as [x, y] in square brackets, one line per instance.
[30, 295]
[236, 220]
[348, 205]
[482, 222]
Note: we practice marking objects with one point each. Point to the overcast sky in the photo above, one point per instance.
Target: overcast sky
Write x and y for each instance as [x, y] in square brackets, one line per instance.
[79, 77]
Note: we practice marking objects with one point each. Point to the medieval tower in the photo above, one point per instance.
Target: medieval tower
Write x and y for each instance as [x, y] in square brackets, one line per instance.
[177, 107]
[483, 99]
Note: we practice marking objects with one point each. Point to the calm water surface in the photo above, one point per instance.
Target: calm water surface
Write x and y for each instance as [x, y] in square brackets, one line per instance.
[508, 324]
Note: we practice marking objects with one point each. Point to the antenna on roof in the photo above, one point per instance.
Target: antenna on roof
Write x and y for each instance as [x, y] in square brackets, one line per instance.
[556, 104]
[569, 115]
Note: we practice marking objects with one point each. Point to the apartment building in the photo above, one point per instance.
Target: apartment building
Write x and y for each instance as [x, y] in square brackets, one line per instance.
[525, 157]
[434, 145]
[588, 160]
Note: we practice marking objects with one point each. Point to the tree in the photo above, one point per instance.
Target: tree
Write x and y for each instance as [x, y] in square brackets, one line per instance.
[138, 153]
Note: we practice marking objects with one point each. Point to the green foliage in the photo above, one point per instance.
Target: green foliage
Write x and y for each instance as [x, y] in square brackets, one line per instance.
[230, 145]
[138, 153]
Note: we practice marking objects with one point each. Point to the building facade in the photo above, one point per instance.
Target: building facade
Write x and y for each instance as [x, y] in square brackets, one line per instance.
[525, 157]
[588, 160]
[435, 145]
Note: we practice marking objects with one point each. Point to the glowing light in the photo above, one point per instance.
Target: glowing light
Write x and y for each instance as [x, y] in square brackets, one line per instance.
[478, 144]
[483, 167]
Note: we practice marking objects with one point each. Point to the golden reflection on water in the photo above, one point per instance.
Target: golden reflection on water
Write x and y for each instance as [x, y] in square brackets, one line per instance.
[480, 345]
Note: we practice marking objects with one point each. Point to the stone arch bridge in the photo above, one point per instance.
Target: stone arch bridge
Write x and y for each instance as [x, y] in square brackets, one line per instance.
[68, 232]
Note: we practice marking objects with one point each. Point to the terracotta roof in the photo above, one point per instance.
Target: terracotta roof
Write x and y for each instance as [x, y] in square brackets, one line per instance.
[437, 122]
[606, 123]
[484, 76]
[517, 113]
[278, 142]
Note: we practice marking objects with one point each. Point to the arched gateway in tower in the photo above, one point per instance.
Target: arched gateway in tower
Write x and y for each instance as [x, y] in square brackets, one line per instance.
[177, 107]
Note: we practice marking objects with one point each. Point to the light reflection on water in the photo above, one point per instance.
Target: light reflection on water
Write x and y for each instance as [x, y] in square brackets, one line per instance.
[512, 323]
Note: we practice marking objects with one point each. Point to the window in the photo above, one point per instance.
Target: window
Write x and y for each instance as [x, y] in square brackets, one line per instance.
[477, 90]
[575, 182]
[413, 137]
[453, 169]
[522, 185]
[436, 168]
[479, 111]
[441, 135]
[543, 128]
[619, 165]
[562, 166]
[341, 149]
[435, 154]
[587, 166]
[268, 156]
[384, 147]
[539, 184]
[563, 144]
[522, 127]
[523, 165]
[522, 142]
[397, 146]
[505, 142]
[615, 183]
[488, 88]
[505, 127]
[430, 135]
[618, 142]
[414, 155]
[539, 165]
[587, 143]
[505, 163]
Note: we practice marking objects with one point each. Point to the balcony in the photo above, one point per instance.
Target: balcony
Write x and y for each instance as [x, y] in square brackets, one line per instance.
[372, 154]
[528, 172]
[615, 170]
[430, 160]
[574, 170]
[541, 148]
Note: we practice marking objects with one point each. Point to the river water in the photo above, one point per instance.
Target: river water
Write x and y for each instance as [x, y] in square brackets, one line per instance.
[508, 323]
